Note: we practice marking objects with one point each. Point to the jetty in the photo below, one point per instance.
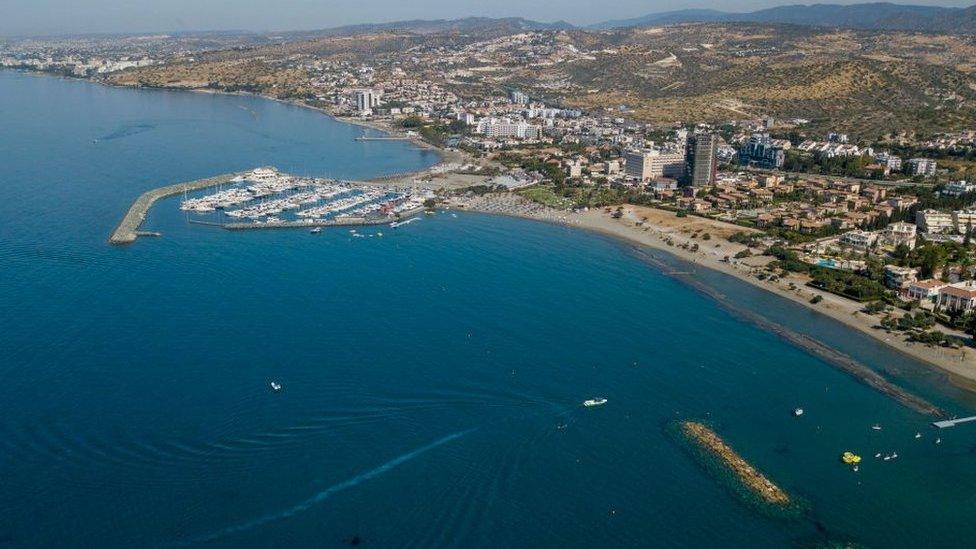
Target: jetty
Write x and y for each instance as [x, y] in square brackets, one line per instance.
[128, 229]
[750, 478]
[953, 422]
[341, 221]
[384, 138]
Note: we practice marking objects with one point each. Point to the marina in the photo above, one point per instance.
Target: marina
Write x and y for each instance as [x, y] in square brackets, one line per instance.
[265, 198]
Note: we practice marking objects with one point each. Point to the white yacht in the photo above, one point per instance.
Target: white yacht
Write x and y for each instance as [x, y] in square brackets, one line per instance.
[599, 401]
[275, 386]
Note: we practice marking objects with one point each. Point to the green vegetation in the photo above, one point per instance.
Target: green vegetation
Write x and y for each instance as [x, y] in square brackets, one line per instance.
[849, 166]
[544, 194]
[850, 285]
[875, 307]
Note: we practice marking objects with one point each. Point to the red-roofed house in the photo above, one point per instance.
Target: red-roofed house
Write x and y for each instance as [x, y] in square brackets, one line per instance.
[960, 296]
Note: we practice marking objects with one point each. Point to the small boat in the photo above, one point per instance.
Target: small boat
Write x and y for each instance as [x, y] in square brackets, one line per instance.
[876, 427]
[850, 458]
[887, 458]
[938, 441]
[275, 386]
[798, 412]
[316, 230]
[856, 468]
[379, 234]
[594, 402]
[876, 456]
[894, 455]
[918, 435]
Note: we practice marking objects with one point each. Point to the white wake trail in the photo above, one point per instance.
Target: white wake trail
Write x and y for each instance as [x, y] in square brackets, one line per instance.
[327, 493]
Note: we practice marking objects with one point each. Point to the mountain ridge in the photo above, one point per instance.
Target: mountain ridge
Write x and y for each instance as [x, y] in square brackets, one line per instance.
[867, 16]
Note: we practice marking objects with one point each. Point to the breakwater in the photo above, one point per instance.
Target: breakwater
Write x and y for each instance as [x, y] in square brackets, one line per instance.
[732, 471]
[128, 229]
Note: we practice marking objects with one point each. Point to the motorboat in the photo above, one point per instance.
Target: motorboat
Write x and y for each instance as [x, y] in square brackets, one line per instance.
[798, 412]
[275, 386]
[599, 401]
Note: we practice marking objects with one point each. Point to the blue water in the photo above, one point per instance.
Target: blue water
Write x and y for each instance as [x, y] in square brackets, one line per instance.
[425, 373]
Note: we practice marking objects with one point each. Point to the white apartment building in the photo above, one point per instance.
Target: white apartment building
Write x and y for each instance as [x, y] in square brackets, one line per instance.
[859, 239]
[367, 100]
[647, 164]
[960, 296]
[495, 128]
[921, 166]
[933, 221]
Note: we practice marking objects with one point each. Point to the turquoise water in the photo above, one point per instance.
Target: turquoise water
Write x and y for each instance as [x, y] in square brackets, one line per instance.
[425, 373]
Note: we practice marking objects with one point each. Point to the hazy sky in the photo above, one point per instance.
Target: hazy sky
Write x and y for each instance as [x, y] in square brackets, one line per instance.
[26, 17]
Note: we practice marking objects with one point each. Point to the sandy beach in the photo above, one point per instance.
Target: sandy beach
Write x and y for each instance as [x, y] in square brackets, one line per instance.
[655, 228]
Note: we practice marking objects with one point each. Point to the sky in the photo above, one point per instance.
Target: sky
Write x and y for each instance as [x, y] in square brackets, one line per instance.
[39, 17]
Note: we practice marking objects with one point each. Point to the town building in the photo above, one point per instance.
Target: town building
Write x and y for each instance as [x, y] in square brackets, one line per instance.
[759, 152]
[899, 233]
[367, 100]
[647, 164]
[520, 98]
[958, 188]
[960, 296]
[934, 221]
[701, 162]
[861, 240]
[924, 290]
[899, 278]
[921, 166]
[496, 128]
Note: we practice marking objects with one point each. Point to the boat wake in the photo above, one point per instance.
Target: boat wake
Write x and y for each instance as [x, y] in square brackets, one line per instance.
[325, 494]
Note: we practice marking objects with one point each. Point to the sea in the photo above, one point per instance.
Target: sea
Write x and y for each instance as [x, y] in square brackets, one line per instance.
[432, 378]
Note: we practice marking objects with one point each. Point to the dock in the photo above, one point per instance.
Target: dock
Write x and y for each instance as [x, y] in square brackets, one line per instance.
[340, 221]
[337, 222]
[384, 138]
[128, 229]
[953, 422]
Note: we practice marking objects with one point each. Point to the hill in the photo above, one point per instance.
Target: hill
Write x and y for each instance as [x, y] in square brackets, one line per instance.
[874, 16]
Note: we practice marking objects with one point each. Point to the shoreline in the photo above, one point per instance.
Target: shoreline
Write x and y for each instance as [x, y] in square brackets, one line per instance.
[959, 367]
[417, 141]
[444, 155]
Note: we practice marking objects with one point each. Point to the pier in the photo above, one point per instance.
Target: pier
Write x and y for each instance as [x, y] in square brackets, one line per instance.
[384, 138]
[953, 422]
[128, 229]
[341, 221]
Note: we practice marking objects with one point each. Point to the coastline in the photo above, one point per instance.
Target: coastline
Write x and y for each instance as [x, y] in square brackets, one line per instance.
[417, 141]
[959, 367]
